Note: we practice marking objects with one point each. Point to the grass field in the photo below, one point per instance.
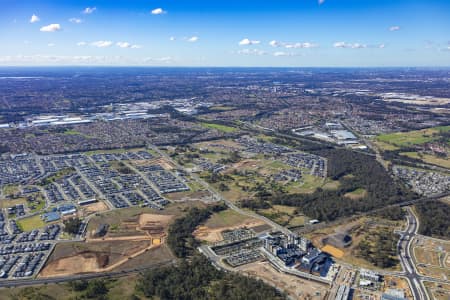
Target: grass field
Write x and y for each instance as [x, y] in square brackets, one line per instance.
[219, 127]
[31, 223]
[10, 190]
[8, 203]
[416, 137]
[443, 162]
[225, 218]
[357, 194]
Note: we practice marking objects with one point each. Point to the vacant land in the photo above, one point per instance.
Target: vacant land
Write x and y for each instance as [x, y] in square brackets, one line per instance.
[296, 287]
[30, 223]
[356, 194]
[416, 137]
[428, 158]
[440, 291]
[432, 257]
[5, 203]
[284, 215]
[227, 219]
[365, 233]
[80, 257]
[219, 127]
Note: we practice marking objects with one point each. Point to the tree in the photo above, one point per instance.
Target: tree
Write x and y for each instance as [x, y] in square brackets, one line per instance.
[72, 225]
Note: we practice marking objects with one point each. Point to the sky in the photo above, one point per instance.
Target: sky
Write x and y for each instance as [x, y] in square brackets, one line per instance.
[265, 33]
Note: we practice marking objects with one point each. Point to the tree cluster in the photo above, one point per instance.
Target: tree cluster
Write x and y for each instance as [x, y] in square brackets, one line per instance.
[198, 279]
[180, 238]
[72, 225]
[353, 170]
[434, 218]
[379, 248]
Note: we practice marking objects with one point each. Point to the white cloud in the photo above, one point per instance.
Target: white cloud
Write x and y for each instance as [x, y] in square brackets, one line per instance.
[247, 42]
[89, 10]
[75, 20]
[193, 39]
[158, 11]
[321, 2]
[274, 43]
[123, 44]
[127, 45]
[172, 38]
[102, 44]
[394, 28]
[81, 44]
[293, 45]
[349, 45]
[51, 28]
[51, 45]
[251, 52]
[381, 46]
[34, 19]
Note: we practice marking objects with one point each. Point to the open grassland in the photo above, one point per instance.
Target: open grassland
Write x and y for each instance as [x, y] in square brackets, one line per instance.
[284, 215]
[30, 223]
[356, 194]
[9, 190]
[5, 203]
[225, 218]
[416, 137]
[221, 108]
[430, 159]
[219, 127]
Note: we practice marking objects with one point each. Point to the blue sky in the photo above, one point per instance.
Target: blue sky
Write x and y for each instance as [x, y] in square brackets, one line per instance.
[226, 33]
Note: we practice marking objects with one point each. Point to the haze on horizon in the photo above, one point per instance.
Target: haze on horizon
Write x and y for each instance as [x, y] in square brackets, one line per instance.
[306, 33]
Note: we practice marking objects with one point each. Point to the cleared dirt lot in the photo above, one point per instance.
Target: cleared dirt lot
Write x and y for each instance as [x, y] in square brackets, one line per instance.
[94, 208]
[296, 287]
[77, 258]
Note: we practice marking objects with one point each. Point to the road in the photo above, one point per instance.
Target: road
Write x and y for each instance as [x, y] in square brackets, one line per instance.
[404, 251]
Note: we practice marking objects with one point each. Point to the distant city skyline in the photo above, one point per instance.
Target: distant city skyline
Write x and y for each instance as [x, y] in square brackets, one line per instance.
[301, 33]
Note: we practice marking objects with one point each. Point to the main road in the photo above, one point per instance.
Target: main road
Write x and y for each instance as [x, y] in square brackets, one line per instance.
[404, 248]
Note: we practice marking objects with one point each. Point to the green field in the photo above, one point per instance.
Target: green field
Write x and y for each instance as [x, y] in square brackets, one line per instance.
[219, 127]
[411, 138]
[430, 159]
[30, 223]
[225, 218]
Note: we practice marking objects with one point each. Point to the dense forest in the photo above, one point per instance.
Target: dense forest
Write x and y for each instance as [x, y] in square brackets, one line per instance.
[353, 170]
[434, 218]
[198, 279]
